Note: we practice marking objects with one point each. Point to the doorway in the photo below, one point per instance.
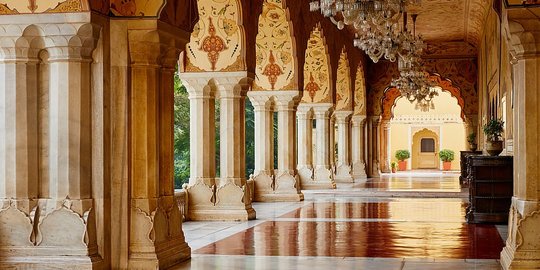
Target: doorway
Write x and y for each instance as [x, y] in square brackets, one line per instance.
[425, 149]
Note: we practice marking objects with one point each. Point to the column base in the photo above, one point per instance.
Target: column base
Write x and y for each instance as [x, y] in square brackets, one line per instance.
[359, 172]
[305, 174]
[322, 179]
[228, 202]
[522, 250]
[343, 174]
[156, 236]
[51, 262]
[283, 189]
[48, 234]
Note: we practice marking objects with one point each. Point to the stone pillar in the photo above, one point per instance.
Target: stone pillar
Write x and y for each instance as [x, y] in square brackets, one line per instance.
[522, 249]
[357, 148]
[263, 174]
[202, 182]
[287, 183]
[47, 217]
[323, 176]
[232, 192]
[343, 166]
[156, 238]
[373, 141]
[202, 129]
[304, 166]
[332, 138]
[384, 161]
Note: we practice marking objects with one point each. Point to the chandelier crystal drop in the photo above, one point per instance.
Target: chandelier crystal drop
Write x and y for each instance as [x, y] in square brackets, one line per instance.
[376, 23]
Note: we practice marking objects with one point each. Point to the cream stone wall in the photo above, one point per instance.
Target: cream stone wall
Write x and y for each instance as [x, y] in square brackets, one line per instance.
[444, 120]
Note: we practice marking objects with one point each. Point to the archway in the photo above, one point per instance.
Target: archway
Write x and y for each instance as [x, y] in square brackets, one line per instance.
[443, 124]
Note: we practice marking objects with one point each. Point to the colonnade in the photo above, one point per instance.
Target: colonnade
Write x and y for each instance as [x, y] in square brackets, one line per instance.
[228, 196]
[87, 162]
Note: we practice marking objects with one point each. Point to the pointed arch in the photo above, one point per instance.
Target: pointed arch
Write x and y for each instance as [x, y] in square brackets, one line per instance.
[275, 56]
[217, 40]
[360, 91]
[343, 83]
[391, 94]
[317, 77]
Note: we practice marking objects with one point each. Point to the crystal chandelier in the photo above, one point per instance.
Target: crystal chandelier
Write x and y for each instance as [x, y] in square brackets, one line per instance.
[413, 82]
[375, 21]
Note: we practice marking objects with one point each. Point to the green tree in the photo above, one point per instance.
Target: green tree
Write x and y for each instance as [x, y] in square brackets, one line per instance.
[181, 133]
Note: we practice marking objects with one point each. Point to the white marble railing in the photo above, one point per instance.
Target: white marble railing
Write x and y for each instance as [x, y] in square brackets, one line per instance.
[435, 118]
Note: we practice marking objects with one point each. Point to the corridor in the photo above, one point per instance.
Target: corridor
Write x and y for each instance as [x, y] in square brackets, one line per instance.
[400, 221]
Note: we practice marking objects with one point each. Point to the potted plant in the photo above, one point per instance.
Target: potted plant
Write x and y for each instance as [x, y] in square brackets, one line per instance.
[493, 130]
[471, 139]
[402, 156]
[393, 165]
[446, 157]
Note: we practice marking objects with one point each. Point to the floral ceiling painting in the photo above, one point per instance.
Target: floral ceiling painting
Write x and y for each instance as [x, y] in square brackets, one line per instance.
[343, 84]
[216, 41]
[42, 6]
[360, 92]
[274, 49]
[316, 70]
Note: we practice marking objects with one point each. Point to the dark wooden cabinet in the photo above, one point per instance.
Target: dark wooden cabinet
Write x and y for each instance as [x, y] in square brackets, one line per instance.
[463, 163]
[491, 188]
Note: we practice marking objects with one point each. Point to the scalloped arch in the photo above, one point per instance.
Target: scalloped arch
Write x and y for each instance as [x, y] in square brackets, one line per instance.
[391, 94]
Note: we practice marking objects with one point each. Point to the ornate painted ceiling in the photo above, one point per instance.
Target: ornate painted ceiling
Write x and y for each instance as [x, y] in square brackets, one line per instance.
[450, 20]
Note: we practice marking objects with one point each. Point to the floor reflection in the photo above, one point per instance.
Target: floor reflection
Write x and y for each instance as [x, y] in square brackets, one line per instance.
[434, 210]
[363, 239]
[409, 182]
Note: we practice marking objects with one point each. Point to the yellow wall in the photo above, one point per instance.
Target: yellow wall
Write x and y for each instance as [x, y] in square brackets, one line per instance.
[444, 120]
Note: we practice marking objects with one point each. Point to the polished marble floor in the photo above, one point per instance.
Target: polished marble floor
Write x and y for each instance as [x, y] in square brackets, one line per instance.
[350, 231]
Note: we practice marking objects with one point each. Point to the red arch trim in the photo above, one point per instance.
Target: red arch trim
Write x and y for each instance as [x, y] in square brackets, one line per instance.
[391, 94]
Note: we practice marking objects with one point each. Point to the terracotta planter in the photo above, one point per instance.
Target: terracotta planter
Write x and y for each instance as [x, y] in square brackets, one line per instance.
[402, 164]
[494, 148]
[447, 165]
[394, 169]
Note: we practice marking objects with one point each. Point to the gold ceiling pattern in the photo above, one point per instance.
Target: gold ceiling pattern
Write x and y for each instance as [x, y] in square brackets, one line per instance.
[316, 70]
[360, 92]
[343, 83]
[450, 21]
[274, 49]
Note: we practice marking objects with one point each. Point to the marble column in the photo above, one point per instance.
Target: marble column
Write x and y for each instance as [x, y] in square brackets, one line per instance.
[232, 192]
[332, 138]
[263, 174]
[304, 166]
[202, 182]
[384, 161]
[357, 147]
[19, 157]
[343, 166]
[374, 145]
[202, 129]
[287, 182]
[522, 250]
[153, 209]
[47, 217]
[322, 176]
